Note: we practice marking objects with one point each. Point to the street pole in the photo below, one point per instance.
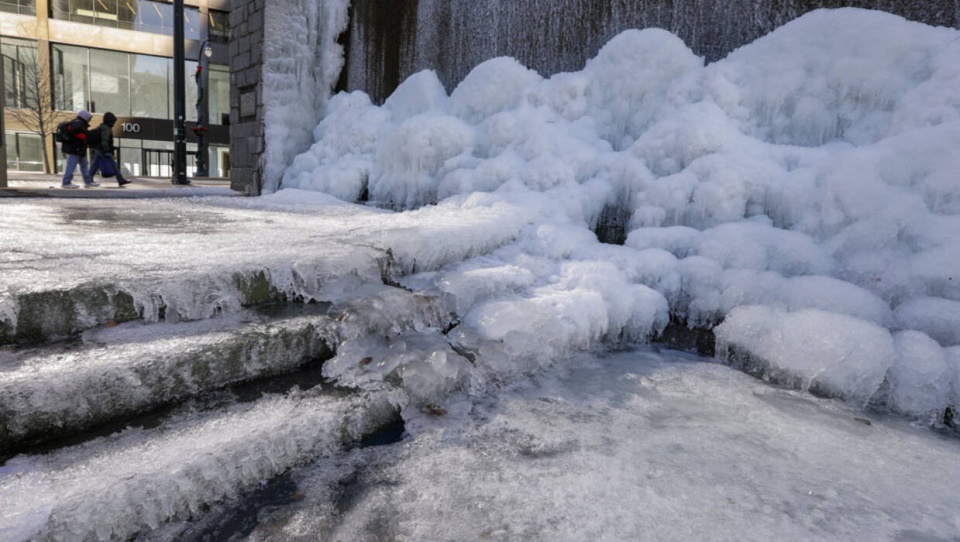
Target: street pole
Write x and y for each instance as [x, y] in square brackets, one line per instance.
[179, 98]
[200, 130]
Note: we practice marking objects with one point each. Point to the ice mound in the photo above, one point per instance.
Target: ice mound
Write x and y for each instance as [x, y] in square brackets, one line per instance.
[808, 178]
[937, 317]
[840, 74]
[840, 355]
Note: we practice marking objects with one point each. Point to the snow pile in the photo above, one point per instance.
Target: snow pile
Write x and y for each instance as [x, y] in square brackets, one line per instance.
[804, 189]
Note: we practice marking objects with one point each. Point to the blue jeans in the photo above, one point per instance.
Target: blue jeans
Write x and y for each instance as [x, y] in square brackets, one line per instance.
[72, 161]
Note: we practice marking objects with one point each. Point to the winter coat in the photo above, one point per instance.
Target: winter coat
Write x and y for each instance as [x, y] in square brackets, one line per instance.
[77, 144]
[103, 139]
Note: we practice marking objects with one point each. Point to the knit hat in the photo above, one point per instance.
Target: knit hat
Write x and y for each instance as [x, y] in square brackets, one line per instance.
[109, 118]
[84, 114]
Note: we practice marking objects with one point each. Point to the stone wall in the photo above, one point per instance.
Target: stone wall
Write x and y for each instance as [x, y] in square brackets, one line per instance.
[391, 40]
[246, 96]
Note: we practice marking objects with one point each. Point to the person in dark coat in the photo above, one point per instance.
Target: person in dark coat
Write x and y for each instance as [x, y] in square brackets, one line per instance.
[102, 147]
[75, 148]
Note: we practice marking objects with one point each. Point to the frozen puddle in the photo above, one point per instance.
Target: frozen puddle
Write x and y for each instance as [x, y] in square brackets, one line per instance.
[632, 446]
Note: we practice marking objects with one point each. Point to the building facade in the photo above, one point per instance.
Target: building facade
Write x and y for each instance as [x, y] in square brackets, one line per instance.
[61, 56]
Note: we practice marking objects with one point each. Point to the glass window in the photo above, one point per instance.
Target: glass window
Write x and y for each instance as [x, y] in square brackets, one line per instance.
[80, 11]
[191, 24]
[125, 84]
[129, 155]
[29, 152]
[142, 15]
[11, 74]
[9, 79]
[10, 139]
[106, 13]
[219, 94]
[219, 26]
[154, 17]
[71, 78]
[24, 151]
[190, 92]
[219, 161]
[149, 85]
[109, 82]
[20, 83]
[127, 14]
[23, 7]
[29, 75]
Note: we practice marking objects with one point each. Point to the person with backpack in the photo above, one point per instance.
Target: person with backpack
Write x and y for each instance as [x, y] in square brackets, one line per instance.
[73, 142]
[100, 140]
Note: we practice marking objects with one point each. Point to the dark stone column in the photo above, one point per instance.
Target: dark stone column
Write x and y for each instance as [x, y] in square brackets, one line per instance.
[246, 96]
[3, 138]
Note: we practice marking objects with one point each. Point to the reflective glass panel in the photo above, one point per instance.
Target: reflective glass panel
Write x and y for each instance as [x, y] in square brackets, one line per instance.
[219, 94]
[23, 7]
[149, 85]
[109, 82]
[20, 75]
[219, 26]
[10, 140]
[71, 85]
[30, 152]
[190, 91]
[141, 15]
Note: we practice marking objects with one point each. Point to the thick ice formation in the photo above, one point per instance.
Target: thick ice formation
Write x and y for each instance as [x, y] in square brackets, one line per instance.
[293, 74]
[639, 446]
[809, 178]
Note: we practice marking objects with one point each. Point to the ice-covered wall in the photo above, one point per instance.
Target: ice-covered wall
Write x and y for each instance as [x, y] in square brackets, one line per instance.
[389, 41]
[301, 63]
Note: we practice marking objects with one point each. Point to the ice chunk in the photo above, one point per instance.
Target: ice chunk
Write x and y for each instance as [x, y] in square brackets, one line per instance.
[635, 78]
[920, 378]
[937, 317]
[420, 93]
[410, 158]
[495, 85]
[838, 354]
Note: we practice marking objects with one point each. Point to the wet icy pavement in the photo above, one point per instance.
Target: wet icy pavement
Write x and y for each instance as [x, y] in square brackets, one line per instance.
[632, 446]
[48, 244]
[625, 447]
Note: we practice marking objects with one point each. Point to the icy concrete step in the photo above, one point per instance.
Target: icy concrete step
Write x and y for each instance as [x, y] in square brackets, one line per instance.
[103, 262]
[113, 488]
[49, 315]
[113, 373]
[129, 369]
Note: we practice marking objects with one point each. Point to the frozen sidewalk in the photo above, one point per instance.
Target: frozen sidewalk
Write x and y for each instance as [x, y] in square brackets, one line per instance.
[67, 265]
[41, 185]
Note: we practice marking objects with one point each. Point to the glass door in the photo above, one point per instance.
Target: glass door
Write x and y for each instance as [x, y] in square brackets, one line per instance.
[157, 163]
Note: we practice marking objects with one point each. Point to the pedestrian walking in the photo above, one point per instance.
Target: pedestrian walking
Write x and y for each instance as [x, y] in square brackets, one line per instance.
[73, 137]
[101, 142]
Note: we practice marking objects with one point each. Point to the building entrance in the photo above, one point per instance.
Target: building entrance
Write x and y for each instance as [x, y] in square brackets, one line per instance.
[159, 163]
